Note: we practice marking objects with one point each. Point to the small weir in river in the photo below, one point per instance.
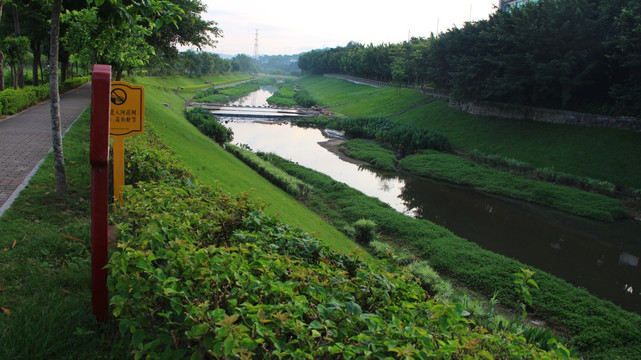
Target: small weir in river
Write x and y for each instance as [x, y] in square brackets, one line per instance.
[601, 257]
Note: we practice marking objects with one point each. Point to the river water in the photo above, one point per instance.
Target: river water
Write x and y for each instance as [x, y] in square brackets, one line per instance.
[600, 257]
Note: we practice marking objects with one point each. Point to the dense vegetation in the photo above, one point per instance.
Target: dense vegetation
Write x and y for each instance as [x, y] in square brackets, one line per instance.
[462, 171]
[405, 139]
[211, 276]
[12, 101]
[579, 54]
[207, 123]
[597, 328]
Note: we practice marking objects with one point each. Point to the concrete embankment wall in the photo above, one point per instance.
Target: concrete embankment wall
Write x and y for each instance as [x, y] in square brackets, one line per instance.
[547, 115]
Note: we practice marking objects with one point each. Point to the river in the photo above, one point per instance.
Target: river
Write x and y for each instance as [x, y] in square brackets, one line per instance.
[600, 257]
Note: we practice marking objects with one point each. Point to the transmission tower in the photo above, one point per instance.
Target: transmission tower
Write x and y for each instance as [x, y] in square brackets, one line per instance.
[256, 47]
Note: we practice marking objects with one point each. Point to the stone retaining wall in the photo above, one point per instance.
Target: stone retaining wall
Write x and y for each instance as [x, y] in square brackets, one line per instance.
[547, 115]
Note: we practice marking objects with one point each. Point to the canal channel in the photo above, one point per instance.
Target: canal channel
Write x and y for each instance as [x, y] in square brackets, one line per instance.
[600, 257]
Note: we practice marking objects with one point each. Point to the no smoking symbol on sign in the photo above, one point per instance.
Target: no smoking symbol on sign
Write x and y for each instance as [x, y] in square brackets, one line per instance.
[118, 96]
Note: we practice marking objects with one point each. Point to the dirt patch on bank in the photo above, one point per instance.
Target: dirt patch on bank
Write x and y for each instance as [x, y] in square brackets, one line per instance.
[332, 146]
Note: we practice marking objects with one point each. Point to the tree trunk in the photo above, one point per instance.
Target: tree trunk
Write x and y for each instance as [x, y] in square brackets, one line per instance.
[1, 67]
[16, 30]
[36, 48]
[1, 56]
[56, 131]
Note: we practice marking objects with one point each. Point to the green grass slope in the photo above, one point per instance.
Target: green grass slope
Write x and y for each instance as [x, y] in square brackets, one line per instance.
[213, 165]
[599, 153]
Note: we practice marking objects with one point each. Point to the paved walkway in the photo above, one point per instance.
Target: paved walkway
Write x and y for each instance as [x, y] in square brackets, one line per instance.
[25, 139]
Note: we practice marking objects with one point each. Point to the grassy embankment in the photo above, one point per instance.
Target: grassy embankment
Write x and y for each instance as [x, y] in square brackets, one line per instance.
[562, 304]
[45, 297]
[598, 328]
[214, 166]
[600, 153]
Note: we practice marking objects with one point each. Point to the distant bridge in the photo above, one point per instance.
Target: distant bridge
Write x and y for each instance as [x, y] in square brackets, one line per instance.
[253, 111]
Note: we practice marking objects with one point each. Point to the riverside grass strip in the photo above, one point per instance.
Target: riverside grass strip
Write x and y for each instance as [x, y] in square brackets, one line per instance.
[462, 171]
[597, 328]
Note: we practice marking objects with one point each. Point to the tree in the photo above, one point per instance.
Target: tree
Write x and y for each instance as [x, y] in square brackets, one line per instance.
[2, 3]
[56, 128]
[16, 49]
[242, 63]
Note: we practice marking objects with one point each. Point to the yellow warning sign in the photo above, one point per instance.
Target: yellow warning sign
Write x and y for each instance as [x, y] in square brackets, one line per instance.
[127, 109]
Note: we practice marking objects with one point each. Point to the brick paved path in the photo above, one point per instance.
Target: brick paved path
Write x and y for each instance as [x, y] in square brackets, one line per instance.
[25, 139]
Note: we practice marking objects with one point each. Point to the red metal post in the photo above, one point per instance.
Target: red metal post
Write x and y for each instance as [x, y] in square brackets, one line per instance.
[99, 159]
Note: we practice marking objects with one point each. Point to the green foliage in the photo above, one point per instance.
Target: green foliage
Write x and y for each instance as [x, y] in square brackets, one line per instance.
[15, 100]
[207, 123]
[545, 174]
[276, 176]
[463, 171]
[148, 159]
[364, 231]
[597, 328]
[524, 282]
[211, 276]
[368, 151]
[304, 99]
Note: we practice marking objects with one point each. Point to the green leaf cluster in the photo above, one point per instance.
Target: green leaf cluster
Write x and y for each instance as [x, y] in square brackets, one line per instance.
[207, 123]
[276, 176]
[199, 273]
[148, 159]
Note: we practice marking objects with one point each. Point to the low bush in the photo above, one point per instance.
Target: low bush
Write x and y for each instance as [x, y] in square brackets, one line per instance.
[15, 100]
[207, 123]
[198, 273]
[545, 174]
[276, 176]
[364, 231]
[148, 159]
[304, 99]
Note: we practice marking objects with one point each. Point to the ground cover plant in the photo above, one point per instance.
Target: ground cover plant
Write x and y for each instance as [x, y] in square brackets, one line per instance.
[462, 171]
[211, 276]
[278, 177]
[597, 328]
[365, 150]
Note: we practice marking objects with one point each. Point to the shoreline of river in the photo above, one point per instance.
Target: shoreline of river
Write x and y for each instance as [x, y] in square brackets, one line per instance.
[332, 146]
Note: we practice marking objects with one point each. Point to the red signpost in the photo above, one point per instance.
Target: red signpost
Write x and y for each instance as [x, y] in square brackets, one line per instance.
[99, 159]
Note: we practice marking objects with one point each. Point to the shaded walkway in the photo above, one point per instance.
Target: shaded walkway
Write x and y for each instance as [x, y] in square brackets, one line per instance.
[25, 139]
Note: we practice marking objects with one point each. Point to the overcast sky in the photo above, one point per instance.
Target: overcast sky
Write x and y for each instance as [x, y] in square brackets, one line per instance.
[295, 26]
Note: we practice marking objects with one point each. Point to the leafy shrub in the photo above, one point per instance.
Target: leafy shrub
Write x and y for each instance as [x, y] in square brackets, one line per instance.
[207, 123]
[148, 159]
[276, 176]
[201, 274]
[545, 174]
[15, 100]
[304, 99]
[364, 231]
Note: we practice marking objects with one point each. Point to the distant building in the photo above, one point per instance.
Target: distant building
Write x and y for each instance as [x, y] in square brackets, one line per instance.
[508, 4]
